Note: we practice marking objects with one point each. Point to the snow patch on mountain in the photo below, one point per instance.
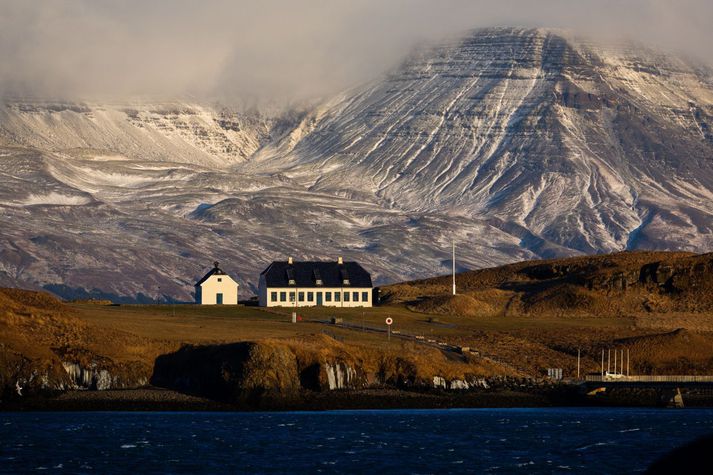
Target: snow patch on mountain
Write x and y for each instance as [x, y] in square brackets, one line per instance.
[55, 199]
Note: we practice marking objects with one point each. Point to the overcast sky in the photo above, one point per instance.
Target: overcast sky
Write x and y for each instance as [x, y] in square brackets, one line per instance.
[282, 48]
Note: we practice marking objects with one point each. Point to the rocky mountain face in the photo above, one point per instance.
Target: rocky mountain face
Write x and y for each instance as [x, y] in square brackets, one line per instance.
[515, 143]
[584, 148]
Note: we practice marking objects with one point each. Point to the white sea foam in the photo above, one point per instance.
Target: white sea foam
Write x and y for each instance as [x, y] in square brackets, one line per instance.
[597, 444]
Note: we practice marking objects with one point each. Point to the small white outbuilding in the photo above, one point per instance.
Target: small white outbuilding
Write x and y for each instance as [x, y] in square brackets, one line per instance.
[216, 288]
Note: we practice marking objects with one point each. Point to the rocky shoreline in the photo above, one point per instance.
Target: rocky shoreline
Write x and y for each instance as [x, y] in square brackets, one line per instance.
[52, 360]
[158, 399]
[161, 399]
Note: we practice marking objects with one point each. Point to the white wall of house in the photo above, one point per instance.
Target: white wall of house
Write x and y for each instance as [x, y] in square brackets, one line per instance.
[218, 284]
[286, 296]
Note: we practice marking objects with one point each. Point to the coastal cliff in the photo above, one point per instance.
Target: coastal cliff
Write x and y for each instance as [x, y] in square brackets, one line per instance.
[279, 372]
[45, 348]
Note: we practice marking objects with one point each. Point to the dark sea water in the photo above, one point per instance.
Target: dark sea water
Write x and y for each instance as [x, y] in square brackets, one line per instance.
[437, 441]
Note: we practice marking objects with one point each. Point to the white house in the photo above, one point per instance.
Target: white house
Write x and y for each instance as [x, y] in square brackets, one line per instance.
[305, 284]
[216, 288]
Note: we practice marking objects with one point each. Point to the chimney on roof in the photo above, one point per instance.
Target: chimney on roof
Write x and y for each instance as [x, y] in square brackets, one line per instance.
[215, 264]
[340, 261]
[289, 260]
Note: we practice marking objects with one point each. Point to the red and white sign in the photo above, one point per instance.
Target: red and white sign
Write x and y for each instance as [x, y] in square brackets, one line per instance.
[389, 321]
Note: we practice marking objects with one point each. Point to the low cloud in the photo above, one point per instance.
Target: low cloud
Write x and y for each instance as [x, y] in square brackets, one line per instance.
[281, 49]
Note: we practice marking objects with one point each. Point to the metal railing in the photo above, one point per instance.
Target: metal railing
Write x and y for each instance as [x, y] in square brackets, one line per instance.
[649, 379]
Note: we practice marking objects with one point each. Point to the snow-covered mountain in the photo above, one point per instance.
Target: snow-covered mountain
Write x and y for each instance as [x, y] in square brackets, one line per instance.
[516, 143]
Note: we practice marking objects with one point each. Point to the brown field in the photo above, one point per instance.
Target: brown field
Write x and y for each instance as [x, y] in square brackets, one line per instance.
[518, 320]
[528, 343]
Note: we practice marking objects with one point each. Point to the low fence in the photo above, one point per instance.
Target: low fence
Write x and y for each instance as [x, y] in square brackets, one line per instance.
[649, 379]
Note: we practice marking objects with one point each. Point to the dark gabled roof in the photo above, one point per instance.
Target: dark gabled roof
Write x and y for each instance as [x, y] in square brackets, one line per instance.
[306, 273]
[214, 271]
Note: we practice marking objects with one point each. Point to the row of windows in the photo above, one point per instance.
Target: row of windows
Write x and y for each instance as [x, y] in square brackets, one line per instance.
[316, 282]
[327, 296]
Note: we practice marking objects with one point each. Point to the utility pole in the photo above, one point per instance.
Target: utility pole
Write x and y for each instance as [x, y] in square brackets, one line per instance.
[579, 354]
[621, 364]
[602, 362]
[454, 267]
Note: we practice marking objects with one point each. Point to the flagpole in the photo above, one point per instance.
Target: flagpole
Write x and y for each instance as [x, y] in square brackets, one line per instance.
[454, 267]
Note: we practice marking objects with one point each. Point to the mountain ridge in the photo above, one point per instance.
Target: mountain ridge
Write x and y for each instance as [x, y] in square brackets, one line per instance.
[516, 143]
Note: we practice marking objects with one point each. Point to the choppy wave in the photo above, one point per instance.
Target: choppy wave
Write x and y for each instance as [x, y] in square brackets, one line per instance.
[472, 441]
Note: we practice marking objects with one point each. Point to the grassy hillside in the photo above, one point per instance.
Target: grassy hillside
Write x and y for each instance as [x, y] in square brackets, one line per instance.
[623, 284]
[517, 321]
[39, 335]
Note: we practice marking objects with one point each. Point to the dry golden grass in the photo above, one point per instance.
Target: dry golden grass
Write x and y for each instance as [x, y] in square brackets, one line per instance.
[127, 340]
[528, 344]
[38, 332]
[626, 283]
[676, 352]
[522, 322]
[463, 305]
[423, 361]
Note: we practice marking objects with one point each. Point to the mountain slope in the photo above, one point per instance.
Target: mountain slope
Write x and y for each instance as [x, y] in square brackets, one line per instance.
[515, 143]
[178, 132]
[591, 148]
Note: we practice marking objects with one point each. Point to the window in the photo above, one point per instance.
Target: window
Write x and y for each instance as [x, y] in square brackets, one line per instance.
[355, 296]
[344, 275]
[292, 297]
[346, 296]
[337, 296]
[301, 296]
[365, 296]
[220, 279]
[317, 277]
[310, 296]
[273, 296]
[328, 296]
[283, 296]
